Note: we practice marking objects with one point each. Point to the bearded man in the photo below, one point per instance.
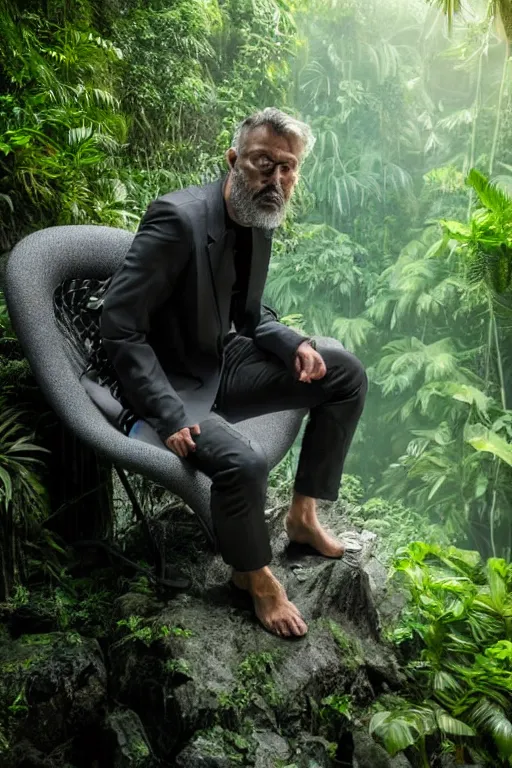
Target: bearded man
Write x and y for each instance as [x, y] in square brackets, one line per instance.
[192, 346]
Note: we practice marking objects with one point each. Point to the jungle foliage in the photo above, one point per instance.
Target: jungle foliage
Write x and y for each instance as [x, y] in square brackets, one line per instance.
[387, 248]
[456, 640]
[399, 244]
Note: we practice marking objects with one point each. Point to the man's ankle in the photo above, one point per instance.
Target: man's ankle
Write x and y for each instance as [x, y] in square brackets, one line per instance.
[302, 509]
[261, 582]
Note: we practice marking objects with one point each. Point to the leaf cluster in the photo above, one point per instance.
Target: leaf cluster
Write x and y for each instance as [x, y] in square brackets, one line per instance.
[486, 241]
[459, 624]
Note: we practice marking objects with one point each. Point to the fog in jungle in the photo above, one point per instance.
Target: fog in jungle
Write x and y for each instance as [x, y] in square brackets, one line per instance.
[108, 105]
[403, 104]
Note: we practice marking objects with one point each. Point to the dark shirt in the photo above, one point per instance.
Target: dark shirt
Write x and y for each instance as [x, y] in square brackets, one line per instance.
[242, 254]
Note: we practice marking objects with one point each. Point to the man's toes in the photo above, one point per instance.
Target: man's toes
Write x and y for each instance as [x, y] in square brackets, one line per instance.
[284, 629]
[300, 627]
[275, 629]
[296, 625]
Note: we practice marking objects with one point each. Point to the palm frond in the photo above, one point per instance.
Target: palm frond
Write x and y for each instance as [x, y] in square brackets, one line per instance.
[489, 194]
[353, 332]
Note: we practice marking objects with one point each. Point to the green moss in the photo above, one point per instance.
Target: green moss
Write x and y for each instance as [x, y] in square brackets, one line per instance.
[177, 667]
[140, 750]
[137, 629]
[351, 648]
[12, 667]
[239, 748]
[19, 660]
[47, 639]
[14, 372]
[254, 680]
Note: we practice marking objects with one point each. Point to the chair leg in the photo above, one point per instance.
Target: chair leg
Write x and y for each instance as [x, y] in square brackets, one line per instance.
[207, 530]
[157, 554]
[173, 581]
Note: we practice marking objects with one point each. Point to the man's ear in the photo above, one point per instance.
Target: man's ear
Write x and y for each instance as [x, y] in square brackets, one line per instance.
[231, 157]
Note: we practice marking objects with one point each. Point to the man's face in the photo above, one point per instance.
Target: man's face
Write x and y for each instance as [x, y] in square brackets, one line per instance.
[263, 177]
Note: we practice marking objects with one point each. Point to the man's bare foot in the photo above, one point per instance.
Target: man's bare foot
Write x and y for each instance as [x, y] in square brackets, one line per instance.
[303, 527]
[271, 604]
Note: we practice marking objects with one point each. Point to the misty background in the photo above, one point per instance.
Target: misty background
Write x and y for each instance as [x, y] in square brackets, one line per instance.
[104, 106]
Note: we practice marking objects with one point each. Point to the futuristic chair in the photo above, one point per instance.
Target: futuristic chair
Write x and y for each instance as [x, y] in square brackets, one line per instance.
[54, 282]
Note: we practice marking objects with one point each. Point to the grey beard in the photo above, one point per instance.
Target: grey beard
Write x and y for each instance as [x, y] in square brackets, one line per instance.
[247, 211]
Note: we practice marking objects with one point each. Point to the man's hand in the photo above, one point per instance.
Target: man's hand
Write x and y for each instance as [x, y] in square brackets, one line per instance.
[309, 365]
[181, 442]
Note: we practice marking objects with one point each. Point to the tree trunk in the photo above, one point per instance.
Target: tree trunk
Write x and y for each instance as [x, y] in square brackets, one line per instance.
[504, 18]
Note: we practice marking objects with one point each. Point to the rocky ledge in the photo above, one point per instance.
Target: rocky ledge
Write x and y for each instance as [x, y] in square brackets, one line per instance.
[192, 680]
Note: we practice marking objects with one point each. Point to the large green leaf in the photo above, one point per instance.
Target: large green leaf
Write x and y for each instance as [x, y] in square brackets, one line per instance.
[395, 731]
[483, 439]
[450, 725]
[492, 718]
[456, 230]
[496, 571]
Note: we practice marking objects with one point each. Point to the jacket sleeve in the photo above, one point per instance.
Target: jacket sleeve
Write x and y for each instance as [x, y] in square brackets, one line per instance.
[144, 282]
[272, 336]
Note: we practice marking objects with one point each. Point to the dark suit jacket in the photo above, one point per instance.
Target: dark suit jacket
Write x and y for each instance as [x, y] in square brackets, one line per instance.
[166, 311]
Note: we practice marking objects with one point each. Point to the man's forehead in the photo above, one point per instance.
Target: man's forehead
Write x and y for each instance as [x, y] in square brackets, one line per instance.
[264, 138]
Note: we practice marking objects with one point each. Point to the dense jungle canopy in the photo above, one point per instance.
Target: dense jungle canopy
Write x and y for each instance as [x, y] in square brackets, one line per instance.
[398, 242]
[103, 106]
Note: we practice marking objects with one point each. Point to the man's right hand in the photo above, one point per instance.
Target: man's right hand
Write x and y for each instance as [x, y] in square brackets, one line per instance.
[181, 442]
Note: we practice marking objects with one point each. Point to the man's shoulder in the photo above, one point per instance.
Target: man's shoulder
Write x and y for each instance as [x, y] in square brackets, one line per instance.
[189, 197]
[180, 197]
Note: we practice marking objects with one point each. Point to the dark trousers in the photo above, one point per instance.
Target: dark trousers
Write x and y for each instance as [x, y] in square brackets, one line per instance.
[254, 383]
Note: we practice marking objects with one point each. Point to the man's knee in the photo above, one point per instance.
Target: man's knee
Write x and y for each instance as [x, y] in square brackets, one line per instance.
[251, 466]
[245, 465]
[344, 369]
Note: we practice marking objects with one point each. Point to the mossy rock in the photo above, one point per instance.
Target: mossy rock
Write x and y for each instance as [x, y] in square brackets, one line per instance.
[215, 667]
[128, 742]
[218, 748]
[52, 689]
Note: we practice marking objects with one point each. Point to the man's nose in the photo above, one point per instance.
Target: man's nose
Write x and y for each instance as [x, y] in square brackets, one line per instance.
[276, 176]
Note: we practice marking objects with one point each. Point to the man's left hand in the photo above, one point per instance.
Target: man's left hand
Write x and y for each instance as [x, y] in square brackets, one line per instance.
[309, 365]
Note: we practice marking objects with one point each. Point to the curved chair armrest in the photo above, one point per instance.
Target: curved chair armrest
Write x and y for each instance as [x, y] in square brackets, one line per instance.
[36, 266]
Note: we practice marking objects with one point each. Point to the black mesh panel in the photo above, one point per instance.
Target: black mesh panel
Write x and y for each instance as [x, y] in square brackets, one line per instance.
[77, 305]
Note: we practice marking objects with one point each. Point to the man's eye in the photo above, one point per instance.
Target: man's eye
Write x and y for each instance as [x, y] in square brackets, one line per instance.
[264, 163]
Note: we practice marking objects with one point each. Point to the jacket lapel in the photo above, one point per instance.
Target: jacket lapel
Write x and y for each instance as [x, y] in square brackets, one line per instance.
[215, 273]
[222, 275]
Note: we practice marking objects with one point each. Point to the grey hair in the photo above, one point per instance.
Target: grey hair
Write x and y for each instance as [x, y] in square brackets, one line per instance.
[280, 123]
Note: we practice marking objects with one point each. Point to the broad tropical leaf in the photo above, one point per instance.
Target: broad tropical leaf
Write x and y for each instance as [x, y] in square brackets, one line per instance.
[395, 730]
[484, 439]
